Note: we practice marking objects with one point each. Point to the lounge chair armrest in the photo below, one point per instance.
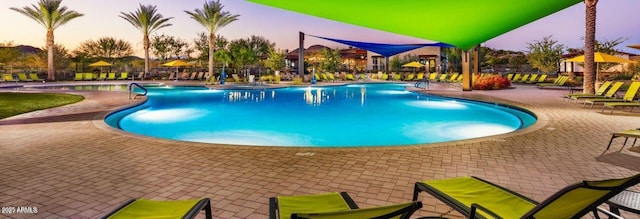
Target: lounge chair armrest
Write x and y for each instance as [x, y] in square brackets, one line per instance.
[609, 213]
[474, 206]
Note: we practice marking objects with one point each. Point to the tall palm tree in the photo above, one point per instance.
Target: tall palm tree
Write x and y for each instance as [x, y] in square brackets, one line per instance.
[589, 47]
[212, 18]
[50, 15]
[147, 20]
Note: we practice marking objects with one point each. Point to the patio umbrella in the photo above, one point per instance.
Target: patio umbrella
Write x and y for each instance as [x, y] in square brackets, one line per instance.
[176, 63]
[100, 64]
[599, 57]
[413, 64]
[637, 46]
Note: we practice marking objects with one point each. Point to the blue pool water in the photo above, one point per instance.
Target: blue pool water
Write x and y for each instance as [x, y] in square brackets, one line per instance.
[338, 116]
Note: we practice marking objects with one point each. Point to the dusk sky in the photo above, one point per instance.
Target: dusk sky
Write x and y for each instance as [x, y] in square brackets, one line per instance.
[616, 18]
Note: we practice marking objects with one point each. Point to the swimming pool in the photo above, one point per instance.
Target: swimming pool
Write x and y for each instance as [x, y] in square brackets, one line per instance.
[336, 116]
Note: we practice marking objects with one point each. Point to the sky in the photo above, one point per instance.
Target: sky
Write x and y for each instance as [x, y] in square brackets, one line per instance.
[615, 19]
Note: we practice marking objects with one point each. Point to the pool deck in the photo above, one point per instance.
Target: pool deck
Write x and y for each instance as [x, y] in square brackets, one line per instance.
[69, 164]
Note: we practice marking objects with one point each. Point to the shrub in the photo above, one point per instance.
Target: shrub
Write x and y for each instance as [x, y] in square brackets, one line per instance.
[491, 82]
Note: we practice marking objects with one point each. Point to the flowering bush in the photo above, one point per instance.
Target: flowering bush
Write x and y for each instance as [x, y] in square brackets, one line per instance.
[491, 82]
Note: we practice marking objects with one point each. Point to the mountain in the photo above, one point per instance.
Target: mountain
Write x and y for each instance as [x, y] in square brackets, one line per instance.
[24, 49]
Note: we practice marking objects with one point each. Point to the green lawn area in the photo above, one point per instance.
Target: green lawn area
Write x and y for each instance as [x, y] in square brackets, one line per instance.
[12, 104]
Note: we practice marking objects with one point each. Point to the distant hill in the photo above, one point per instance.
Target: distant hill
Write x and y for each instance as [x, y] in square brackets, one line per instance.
[24, 49]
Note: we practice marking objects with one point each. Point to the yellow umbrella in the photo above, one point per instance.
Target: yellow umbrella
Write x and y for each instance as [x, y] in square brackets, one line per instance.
[176, 63]
[99, 64]
[413, 64]
[601, 57]
[637, 46]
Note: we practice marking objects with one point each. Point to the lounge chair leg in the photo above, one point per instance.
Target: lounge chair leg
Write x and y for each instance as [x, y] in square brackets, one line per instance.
[207, 211]
[415, 192]
[611, 140]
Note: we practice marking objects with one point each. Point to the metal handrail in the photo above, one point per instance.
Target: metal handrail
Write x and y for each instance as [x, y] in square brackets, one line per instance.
[137, 85]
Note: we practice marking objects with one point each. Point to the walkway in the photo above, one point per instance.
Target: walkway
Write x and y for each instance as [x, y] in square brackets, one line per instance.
[69, 164]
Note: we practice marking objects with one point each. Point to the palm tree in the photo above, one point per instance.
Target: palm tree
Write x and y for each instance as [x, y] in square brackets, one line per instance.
[50, 15]
[589, 47]
[147, 20]
[212, 18]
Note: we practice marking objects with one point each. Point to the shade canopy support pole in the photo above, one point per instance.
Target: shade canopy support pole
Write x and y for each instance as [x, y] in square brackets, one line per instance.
[386, 64]
[301, 54]
[466, 70]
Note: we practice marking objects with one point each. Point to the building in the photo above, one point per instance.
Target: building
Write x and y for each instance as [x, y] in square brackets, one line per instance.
[355, 59]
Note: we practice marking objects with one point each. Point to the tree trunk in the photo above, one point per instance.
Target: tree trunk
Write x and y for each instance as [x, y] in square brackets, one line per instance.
[146, 53]
[590, 76]
[51, 70]
[212, 39]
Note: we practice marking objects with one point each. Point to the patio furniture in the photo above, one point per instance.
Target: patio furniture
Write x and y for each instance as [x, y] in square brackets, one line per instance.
[626, 201]
[628, 96]
[478, 198]
[23, 77]
[35, 77]
[631, 133]
[559, 82]
[124, 76]
[599, 93]
[334, 205]
[541, 79]
[144, 208]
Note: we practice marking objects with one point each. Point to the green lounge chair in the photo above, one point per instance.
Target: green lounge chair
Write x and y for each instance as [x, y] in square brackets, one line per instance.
[631, 133]
[79, 77]
[478, 198]
[34, 77]
[324, 77]
[419, 77]
[523, 79]
[453, 77]
[459, 78]
[628, 96]
[599, 92]
[8, 77]
[384, 77]
[331, 77]
[143, 208]
[516, 77]
[433, 77]
[397, 77]
[88, 76]
[23, 77]
[111, 76]
[541, 79]
[613, 105]
[102, 77]
[410, 77]
[350, 77]
[560, 81]
[510, 76]
[124, 76]
[532, 79]
[334, 205]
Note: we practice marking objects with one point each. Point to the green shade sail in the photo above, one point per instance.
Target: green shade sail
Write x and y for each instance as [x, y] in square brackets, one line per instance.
[462, 23]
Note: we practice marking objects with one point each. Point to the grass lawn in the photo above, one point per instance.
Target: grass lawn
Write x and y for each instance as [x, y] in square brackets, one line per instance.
[12, 104]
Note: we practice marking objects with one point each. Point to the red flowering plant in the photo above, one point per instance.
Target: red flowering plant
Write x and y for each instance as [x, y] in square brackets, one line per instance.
[491, 82]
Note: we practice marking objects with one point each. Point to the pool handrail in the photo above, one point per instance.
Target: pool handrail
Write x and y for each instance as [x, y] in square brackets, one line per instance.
[137, 85]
